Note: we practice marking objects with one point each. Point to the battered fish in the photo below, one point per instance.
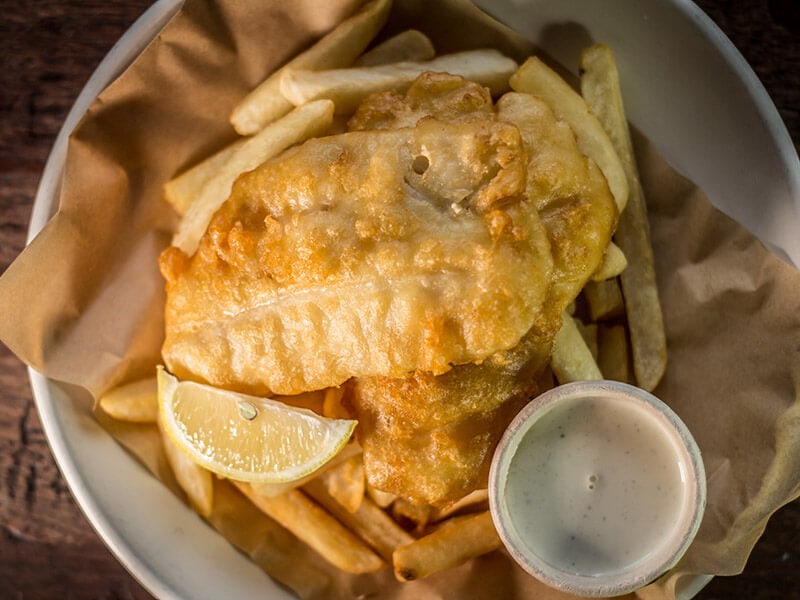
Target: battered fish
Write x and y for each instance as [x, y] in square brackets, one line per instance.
[445, 97]
[372, 253]
[424, 258]
[430, 438]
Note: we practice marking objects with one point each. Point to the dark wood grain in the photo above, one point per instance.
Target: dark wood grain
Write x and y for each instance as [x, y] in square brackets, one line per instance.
[48, 50]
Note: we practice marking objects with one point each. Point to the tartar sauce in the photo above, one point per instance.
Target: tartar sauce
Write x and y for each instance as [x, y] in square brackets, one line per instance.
[597, 485]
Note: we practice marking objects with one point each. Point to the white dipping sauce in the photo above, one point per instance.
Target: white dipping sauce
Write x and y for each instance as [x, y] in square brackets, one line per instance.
[597, 485]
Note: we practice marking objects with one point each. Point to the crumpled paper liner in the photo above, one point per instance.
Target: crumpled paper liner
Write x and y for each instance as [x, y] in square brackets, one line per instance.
[83, 303]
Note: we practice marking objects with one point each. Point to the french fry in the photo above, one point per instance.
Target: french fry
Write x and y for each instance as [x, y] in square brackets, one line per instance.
[348, 87]
[415, 515]
[534, 77]
[613, 357]
[135, 402]
[379, 497]
[193, 479]
[457, 541]
[338, 48]
[271, 490]
[369, 521]
[406, 45]
[304, 578]
[588, 332]
[572, 359]
[305, 121]
[345, 482]
[600, 88]
[182, 190]
[600, 85]
[614, 263]
[603, 299]
[477, 499]
[318, 529]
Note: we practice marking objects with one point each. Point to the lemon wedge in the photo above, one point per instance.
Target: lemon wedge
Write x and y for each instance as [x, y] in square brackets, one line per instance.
[246, 438]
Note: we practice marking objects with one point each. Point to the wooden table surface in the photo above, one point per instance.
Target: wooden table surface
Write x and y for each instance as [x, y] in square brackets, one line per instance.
[48, 50]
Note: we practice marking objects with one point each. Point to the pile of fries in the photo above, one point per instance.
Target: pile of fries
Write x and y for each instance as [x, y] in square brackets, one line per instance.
[614, 330]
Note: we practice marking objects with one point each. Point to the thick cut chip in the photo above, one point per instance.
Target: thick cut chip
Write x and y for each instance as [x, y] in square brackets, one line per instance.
[349, 87]
[196, 481]
[572, 358]
[316, 527]
[600, 85]
[135, 402]
[364, 254]
[452, 544]
[338, 48]
[406, 45]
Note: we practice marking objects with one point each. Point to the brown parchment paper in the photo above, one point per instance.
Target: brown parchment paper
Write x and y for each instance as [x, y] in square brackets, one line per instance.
[83, 303]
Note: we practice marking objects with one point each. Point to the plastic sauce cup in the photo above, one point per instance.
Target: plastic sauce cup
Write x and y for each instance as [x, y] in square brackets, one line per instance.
[597, 488]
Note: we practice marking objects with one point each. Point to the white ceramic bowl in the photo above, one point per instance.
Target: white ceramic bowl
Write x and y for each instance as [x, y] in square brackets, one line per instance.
[686, 88]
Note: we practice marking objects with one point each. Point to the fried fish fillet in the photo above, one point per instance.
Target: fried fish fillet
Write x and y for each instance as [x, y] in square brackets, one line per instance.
[430, 438]
[425, 258]
[370, 253]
